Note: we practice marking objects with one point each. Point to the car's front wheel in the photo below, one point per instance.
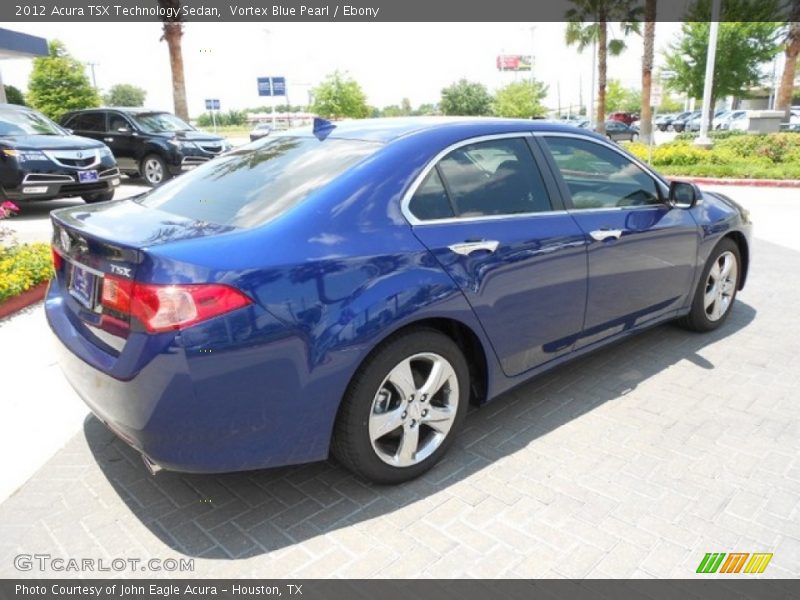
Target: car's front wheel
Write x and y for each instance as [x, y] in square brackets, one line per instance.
[717, 288]
[154, 170]
[403, 407]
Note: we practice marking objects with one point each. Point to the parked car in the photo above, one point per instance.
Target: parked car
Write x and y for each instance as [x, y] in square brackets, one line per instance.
[679, 124]
[696, 121]
[259, 131]
[662, 122]
[153, 144]
[40, 161]
[623, 117]
[724, 121]
[619, 132]
[635, 126]
[351, 288]
[739, 121]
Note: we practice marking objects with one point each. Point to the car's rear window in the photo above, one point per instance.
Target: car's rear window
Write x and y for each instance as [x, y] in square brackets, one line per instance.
[253, 185]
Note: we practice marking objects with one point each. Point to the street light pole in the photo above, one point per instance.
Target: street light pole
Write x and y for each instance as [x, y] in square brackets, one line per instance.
[711, 56]
[92, 65]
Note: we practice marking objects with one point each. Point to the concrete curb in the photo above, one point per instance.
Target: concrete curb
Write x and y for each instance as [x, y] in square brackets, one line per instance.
[777, 183]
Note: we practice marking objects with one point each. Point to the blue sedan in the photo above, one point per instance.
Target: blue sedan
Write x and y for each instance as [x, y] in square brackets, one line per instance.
[351, 288]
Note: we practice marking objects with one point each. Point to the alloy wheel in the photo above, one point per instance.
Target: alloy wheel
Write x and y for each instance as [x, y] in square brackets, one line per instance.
[414, 409]
[720, 286]
[153, 171]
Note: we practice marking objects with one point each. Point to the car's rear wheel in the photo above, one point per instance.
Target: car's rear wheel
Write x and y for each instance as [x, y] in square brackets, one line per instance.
[403, 407]
[98, 197]
[716, 290]
[154, 170]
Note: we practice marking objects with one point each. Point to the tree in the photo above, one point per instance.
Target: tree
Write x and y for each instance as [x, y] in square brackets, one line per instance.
[747, 39]
[339, 96]
[790, 66]
[58, 83]
[405, 107]
[588, 22]
[619, 98]
[646, 116]
[14, 95]
[172, 32]
[520, 99]
[426, 109]
[125, 94]
[669, 104]
[466, 98]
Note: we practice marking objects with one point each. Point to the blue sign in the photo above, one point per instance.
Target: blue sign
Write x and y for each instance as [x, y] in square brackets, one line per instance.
[212, 103]
[264, 86]
[271, 86]
[279, 86]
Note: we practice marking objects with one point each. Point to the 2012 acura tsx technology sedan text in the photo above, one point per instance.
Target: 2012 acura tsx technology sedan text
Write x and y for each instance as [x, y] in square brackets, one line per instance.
[351, 288]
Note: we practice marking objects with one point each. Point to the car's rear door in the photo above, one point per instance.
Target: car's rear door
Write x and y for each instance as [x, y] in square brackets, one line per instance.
[642, 253]
[493, 220]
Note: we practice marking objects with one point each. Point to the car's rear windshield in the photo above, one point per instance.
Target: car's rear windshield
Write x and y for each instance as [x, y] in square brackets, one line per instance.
[252, 185]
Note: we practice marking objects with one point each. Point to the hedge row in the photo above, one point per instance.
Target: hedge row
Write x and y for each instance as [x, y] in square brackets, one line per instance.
[22, 267]
[766, 156]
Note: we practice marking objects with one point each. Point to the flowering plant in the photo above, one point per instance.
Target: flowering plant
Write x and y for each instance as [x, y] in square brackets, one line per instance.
[7, 209]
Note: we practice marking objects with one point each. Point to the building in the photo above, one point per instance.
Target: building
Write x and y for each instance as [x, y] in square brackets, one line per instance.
[18, 45]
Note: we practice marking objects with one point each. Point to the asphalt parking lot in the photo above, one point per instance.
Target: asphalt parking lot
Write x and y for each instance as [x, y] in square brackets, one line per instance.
[635, 461]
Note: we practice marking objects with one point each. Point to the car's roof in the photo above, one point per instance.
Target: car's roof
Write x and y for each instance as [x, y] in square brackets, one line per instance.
[128, 109]
[14, 106]
[388, 129]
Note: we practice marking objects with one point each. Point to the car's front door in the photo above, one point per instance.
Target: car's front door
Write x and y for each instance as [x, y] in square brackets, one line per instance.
[122, 138]
[642, 252]
[484, 210]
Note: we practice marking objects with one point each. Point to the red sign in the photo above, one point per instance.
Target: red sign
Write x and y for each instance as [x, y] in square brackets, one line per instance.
[514, 62]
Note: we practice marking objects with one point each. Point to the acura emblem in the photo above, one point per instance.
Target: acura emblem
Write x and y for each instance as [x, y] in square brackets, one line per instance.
[65, 241]
[79, 155]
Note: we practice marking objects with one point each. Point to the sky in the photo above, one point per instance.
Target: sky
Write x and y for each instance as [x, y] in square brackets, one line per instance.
[389, 60]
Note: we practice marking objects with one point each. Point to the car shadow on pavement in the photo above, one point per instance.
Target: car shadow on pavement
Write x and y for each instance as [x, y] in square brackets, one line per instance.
[241, 515]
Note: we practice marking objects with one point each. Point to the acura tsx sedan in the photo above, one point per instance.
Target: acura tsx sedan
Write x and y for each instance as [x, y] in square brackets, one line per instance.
[349, 289]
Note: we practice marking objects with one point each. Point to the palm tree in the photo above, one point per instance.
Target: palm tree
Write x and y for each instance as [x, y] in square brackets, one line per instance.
[589, 22]
[786, 90]
[172, 33]
[646, 117]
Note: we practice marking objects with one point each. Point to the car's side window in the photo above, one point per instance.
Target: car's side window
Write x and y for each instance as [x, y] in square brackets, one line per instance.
[117, 122]
[88, 122]
[599, 177]
[496, 177]
[430, 201]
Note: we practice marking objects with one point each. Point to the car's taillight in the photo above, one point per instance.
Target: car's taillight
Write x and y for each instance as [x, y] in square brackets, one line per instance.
[168, 307]
[57, 260]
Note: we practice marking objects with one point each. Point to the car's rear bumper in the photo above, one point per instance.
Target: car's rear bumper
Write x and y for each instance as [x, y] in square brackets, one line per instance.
[188, 410]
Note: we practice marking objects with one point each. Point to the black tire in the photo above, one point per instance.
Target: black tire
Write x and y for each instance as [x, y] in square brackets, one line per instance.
[662, 127]
[150, 166]
[98, 197]
[678, 128]
[699, 319]
[351, 443]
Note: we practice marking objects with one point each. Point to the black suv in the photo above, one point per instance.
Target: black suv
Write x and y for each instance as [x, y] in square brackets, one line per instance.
[41, 161]
[153, 144]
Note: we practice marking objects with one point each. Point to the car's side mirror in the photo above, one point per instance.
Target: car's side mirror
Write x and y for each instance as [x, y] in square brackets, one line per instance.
[683, 194]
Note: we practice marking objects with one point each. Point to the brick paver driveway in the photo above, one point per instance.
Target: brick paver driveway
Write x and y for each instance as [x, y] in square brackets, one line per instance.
[635, 461]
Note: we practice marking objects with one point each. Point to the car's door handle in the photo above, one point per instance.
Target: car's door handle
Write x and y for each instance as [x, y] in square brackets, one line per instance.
[467, 248]
[604, 234]
[108, 139]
